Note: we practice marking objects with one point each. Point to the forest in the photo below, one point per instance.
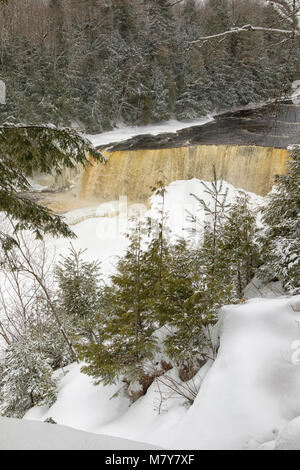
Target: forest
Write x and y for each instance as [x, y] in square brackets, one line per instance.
[176, 317]
[100, 63]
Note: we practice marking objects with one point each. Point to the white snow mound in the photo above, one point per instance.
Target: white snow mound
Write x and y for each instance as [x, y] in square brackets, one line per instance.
[246, 400]
[29, 435]
[253, 388]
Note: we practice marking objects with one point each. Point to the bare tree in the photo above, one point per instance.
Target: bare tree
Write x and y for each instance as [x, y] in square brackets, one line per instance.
[27, 273]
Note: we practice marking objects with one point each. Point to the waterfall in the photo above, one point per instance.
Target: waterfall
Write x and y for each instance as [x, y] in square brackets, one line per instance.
[133, 173]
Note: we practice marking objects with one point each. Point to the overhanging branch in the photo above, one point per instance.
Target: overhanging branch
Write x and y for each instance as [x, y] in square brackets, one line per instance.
[246, 29]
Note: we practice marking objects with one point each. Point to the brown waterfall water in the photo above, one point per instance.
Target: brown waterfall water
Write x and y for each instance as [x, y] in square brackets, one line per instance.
[133, 173]
[247, 147]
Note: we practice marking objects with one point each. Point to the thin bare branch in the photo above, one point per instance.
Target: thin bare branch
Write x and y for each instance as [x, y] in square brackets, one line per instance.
[246, 29]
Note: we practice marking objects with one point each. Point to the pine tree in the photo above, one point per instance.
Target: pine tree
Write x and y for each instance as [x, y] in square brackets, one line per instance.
[281, 215]
[160, 93]
[160, 21]
[215, 214]
[219, 17]
[124, 19]
[25, 149]
[126, 332]
[29, 362]
[157, 268]
[210, 279]
[239, 241]
[27, 379]
[190, 339]
[80, 293]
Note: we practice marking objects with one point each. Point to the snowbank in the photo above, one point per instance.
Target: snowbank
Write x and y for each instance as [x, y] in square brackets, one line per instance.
[125, 132]
[287, 439]
[102, 410]
[29, 435]
[247, 398]
[253, 388]
[81, 404]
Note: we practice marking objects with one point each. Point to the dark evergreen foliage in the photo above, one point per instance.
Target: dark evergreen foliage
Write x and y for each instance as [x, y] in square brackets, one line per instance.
[129, 61]
[80, 293]
[24, 150]
[281, 242]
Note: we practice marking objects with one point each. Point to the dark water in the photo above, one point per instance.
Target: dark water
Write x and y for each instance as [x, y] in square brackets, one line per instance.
[273, 125]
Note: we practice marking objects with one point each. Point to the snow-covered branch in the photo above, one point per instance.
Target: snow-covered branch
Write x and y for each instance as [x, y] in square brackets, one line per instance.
[172, 4]
[288, 9]
[246, 29]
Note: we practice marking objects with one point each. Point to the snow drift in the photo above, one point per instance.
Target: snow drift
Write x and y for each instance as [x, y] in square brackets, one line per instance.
[253, 388]
[29, 435]
[247, 398]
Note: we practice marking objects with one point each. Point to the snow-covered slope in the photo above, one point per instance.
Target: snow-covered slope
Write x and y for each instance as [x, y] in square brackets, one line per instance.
[247, 398]
[253, 388]
[29, 435]
[81, 404]
[288, 438]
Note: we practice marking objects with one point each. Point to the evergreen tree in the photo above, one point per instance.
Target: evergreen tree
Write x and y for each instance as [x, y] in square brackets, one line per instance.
[80, 293]
[28, 364]
[281, 215]
[124, 19]
[25, 149]
[190, 339]
[210, 279]
[239, 241]
[160, 21]
[27, 379]
[126, 332]
[156, 262]
[160, 94]
[219, 19]
[215, 215]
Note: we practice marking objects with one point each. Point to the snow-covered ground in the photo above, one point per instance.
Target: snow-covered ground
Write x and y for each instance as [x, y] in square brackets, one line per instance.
[249, 397]
[253, 388]
[26, 435]
[126, 132]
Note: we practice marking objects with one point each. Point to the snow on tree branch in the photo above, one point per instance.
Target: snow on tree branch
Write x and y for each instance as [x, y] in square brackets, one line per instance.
[245, 29]
[288, 9]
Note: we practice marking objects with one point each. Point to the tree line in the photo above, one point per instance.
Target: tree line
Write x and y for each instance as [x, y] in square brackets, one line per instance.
[99, 63]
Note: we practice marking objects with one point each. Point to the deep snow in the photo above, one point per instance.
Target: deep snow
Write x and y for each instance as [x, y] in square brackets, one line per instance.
[25, 435]
[247, 397]
[253, 388]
